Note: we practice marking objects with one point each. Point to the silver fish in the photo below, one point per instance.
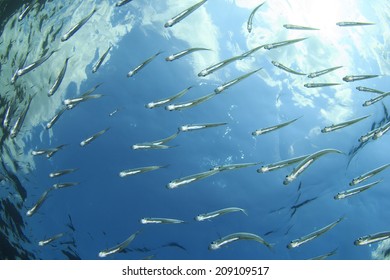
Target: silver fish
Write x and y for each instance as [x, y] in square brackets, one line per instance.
[322, 72]
[249, 23]
[325, 256]
[51, 152]
[354, 191]
[113, 112]
[180, 54]
[366, 89]
[376, 99]
[368, 175]
[352, 78]
[93, 137]
[334, 127]
[298, 27]
[122, 2]
[25, 11]
[59, 79]
[167, 100]
[226, 85]
[297, 242]
[7, 116]
[120, 247]
[39, 203]
[217, 213]
[183, 14]
[160, 221]
[218, 65]
[49, 240]
[352, 23]
[285, 68]
[235, 237]
[76, 27]
[305, 163]
[191, 127]
[248, 53]
[71, 103]
[61, 172]
[46, 151]
[234, 166]
[157, 144]
[282, 43]
[142, 65]
[64, 185]
[315, 85]
[32, 66]
[381, 130]
[280, 164]
[368, 135]
[139, 170]
[55, 118]
[100, 60]
[190, 179]
[189, 104]
[372, 238]
[272, 128]
[20, 120]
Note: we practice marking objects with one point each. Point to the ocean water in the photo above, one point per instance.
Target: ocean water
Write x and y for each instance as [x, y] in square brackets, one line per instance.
[104, 209]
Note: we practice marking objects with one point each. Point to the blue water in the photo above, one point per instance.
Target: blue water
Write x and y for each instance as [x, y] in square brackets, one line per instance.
[105, 209]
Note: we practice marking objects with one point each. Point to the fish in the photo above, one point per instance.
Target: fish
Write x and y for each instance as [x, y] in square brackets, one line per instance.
[167, 100]
[315, 85]
[64, 185]
[352, 78]
[20, 120]
[368, 135]
[51, 152]
[285, 68]
[235, 237]
[189, 104]
[298, 27]
[176, 19]
[376, 99]
[372, 238]
[226, 85]
[180, 54]
[381, 130]
[39, 203]
[142, 65]
[234, 166]
[251, 51]
[100, 60]
[140, 170]
[191, 127]
[93, 137]
[122, 2]
[190, 179]
[55, 118]
[113, 112]
[280, 164]
[157, 144]
[77, 26]
[160, 221]
[120, 247]
[325, 256]
[7, 115]
[249, 23]
[367, 175]
[298, 242]
[59, 79]
[353, 23]
[49, 240]
[354, 191]
[322, 72]
[283, 43]
[366, 89]
[305, 163]
[217, 213]
[61, 172]
[272, 128]
[334, 127]
[25, 11]
[219, 65]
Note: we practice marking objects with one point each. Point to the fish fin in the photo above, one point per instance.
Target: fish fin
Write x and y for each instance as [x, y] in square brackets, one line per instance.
[245, 212]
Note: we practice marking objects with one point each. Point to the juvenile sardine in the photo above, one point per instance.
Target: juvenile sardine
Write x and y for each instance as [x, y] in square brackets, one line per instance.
[323, 72]
[120, 247]
[217, 213]
[55, 118]
[93, 137]
[352, 23]
[189, 104]
[298, 27]
[372, 238]
[366, 89]
[238, 236]
[234, 166]
[190, 179]
[64, 185]
[49, 240]
[227, 85]
[282, 43]
[285, 68]
[160, 221]
[100, 60]
[376, 99]
[191, 127]
[352, 78]
[139, 170]
[334, 127]
[272, 128]
[280, 164]
[59, 79]
[354, 191]
[249, 23]
[122, 2]
[183, 14]
[180, 54]
[167, 100]
[142, 65]
[39, 203]
[368, 175]
[75, 28]
[61, 172]
[218, 65]
[315, 85]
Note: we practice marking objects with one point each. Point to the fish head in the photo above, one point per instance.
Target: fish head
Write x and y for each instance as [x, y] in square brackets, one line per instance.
[130, 74]
[171, 185]
[263, 169]
[268, 46]
[41, 243]
[293, 244]
[199, 218]
[143, 221]
[348, 79]
[170, 58]
[361, 241]
[170, 107]
[326, 129]
[183, 128]
[169, 23]
[340, 195]
[64, 38]
[203, 73]
[214, 246]
[102, 254]
[83, 143]
[219, 89]
[288, 179]
[311, 76]
[94, 69]
[150, 105]
[377, 134]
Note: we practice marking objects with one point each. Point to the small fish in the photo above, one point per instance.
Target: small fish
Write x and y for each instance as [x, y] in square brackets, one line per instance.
[180, 54]
[122, 2]
[100, 60]
[160, 221]
[218, 65]
[217, 213]
[76, 27]
[334, 127]
[272, 128]
[322, 72]
[282, 43]
[39, 203]
[93, 137]
[55, 118]
[249, 23]
[305, 163]
[7, 116]
[167, 100]
[61, 172]
[189, 104]
[191, 127]
[352, 23]
[368, 135]
[248, 53]
[372, 238]
[376, 99]
[235, 237]
[51, 152]
[20, 120]
[234, 166]
[140, 170]
[190, 179]
[59, 79]
[368, 175]
[315, 85]
[25, 11]
[71, 103]
[49, 240]
[285, 68]
[157, 144]
[64, 185]
[325, 256]
[120, 247]
[352, 78]
[142, 65]
[113, 112]
[354, 191]
[226, 85]
[183, 14]
[280, 164]
[298, 27]
[366, 89]
[381, 130]
[298, 242]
